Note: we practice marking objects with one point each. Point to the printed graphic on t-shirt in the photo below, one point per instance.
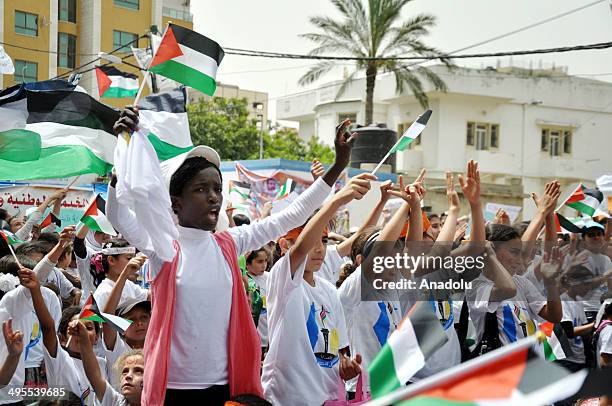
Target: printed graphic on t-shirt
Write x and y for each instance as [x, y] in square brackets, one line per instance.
[515, 318]
[444, 312]
[34, 338]
[325, 349]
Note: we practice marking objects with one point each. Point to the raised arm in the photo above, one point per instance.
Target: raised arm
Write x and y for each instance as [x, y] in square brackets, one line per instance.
[57, 207]
[14, 345]
[47, 325]
[355, 189]
[470, 186]
[551, 272]
[259, 233]
[110, 334]
[546, 205]
[503, 284]
[90, 362]
[44, 267]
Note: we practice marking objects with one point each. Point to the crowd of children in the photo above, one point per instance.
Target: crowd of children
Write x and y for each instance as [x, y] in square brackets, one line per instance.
[269, 311]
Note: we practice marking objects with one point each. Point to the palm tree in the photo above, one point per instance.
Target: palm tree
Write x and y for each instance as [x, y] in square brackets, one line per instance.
[372, 34]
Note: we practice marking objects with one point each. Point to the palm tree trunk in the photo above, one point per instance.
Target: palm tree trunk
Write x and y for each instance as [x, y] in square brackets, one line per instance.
[370, 82]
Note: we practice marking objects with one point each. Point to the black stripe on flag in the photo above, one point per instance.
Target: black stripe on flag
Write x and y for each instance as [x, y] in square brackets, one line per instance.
[101, 204]
[539, 373]
[198, 42]
[563, 340]
[424, 118]
[70, 108]
[427, 328]
[596, 193]
[171, 102]
[112, 71]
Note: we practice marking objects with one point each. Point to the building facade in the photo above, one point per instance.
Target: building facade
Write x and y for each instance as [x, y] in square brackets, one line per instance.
[524, 127]
[257, 102]
[47, 38]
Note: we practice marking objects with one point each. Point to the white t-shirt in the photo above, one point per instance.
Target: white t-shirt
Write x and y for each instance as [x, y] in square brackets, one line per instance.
[204, 281]
[17, 304]
[306, 329]
[112, 397]
[262, 326]
[57, 278]
[531, 276]
[130, 291]
[598, 264]
[574, 311]
[63, 370]
[369, 323]
[87, 279]
[604, 343]
[330, 268]
[516, 317]
[111, 356]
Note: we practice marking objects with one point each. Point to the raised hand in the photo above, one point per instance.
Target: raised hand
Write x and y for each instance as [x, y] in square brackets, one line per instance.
[28, 279]
[410, 194]
[77, 328]
[13, 339]
[385, 190]
[349, 368]
[470, 186]
[128, 121]
[343, 143]
[266, 210]
[356, 188]
[451, 194]
[501, 217]
[460, 233]
[67, 235]
[548, 202]
[135, 264]
[551, 266]
[316, 169]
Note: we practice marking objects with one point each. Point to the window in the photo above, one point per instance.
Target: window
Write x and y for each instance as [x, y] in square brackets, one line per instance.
[556, 141]
[350, 116]
[401, 127]
[26, 23]
[133, 4]
[123, 40]
[67, 10]
[66, 50]
[482, 136]
[25, 71]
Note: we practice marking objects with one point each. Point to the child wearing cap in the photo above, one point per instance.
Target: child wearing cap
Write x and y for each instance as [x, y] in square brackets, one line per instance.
[110, 263]
[309, 349]
[201, 314]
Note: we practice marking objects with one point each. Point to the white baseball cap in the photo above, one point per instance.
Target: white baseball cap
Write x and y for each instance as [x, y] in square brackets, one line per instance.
[169, 166]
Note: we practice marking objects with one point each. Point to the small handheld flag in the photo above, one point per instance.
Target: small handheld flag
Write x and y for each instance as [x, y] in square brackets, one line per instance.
[585, 200]
[95, 217]
[114, 83]
[11, 240]
[92, 312]
[51, 219]
[409, 135]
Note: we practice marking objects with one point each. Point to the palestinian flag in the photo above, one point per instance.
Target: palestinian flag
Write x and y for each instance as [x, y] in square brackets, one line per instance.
[519, 377]
[556, 345]
[95, 217]
[54, 134]
[113, 83]
[412, 132]
[165, 116]
[189, 58]
[92, 312]
[242, 189]
[9, 238]
[286, 189]
[51, 219]
[418, 336]
[563, 223]
[585, 200]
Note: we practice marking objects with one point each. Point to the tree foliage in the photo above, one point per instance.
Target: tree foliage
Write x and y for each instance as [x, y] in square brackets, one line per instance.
[224, 125]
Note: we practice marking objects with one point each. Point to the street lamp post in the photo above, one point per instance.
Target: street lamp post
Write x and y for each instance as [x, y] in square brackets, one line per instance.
[259, 107]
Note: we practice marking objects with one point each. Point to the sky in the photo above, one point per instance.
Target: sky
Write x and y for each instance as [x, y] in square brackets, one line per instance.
[276, 25]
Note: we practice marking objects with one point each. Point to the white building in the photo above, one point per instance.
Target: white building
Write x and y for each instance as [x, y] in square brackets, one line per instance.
[523, 127]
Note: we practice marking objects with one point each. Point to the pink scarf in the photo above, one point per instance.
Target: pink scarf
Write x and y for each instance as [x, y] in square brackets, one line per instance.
[244, 346]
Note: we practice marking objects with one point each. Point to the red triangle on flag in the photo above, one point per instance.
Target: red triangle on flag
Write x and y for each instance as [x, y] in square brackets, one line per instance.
[92, 210]
[46, 222]
[104, 81]
[168, 49]
[577, 196]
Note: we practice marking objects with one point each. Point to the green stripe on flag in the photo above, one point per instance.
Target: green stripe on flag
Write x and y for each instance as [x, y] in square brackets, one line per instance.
[164, 150]
[402, 145]
[384, 380]
[549, 354]
[55, 162]
[187, 76]
[583, 208]
[433, 401]
[95, 317]
[19, 145]
[91, 223]
[119, 92]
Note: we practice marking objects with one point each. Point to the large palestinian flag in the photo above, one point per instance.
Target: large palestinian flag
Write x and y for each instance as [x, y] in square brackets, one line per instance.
[54, 134]
[585, 200]
[114, 83]
[165, 116]
[189, 58]
[95, 217]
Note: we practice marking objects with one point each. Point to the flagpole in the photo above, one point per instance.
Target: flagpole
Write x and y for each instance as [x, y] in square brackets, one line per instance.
[73, 182]
[455, 372]
[562, 204]
[386, 156]
[14, 256]
[142, 85]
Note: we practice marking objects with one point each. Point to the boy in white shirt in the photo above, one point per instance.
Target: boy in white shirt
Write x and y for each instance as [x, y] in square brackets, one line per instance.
[63, 366]
[308, 341]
